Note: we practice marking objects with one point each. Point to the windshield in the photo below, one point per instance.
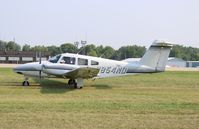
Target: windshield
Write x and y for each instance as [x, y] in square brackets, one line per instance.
[54, 59]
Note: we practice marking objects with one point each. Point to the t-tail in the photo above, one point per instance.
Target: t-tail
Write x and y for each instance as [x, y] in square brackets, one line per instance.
[157, 55]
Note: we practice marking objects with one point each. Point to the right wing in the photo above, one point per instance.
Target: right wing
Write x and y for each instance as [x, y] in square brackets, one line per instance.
[70, 72]
[83, 72]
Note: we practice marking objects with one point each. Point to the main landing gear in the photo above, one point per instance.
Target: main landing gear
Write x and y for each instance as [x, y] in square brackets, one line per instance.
[26, 83]
[76, 83]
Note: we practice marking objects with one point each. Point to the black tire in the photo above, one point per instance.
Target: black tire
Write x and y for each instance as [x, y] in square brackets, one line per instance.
[69, 82]
[25, 83]
[72, 82]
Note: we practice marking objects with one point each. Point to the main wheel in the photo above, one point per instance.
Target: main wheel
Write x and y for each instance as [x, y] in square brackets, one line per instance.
[72, 82]
[25, 83]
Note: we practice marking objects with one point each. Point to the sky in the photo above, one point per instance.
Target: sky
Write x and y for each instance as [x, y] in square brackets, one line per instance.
[112, 23]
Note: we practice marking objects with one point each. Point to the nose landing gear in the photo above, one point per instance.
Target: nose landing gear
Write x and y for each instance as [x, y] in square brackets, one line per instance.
[26, 83]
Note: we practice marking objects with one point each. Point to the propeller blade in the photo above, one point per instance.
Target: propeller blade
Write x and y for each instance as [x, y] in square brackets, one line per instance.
[40, 74]
[41, 65]
[39, 57]
[41, 70]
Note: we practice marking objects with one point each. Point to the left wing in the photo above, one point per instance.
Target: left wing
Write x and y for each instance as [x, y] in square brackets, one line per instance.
[83, 72]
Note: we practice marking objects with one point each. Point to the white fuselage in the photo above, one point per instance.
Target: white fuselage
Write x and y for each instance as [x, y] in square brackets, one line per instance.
[78, 67]
[65, 63]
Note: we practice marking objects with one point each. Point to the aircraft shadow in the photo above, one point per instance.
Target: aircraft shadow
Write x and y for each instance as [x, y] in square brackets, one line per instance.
[10, 84]
[49, 86]
[101, 86]
[53, 86]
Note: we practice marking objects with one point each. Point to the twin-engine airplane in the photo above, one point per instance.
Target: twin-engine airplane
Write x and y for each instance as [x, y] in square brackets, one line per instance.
[78, 67]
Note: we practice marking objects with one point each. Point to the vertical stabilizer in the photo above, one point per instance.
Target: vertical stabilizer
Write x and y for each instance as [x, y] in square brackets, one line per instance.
[157, 55]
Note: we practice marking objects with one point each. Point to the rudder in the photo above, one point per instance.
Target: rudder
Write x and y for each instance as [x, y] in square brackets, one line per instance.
[157, 55]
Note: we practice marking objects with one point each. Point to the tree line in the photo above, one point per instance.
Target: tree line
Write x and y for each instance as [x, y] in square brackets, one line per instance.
[131, 51]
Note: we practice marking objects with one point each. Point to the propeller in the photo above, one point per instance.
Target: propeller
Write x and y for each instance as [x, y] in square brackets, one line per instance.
[40, 64]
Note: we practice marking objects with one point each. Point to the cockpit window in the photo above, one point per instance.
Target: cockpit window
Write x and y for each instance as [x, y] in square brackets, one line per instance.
[68, 60]
[54, 59]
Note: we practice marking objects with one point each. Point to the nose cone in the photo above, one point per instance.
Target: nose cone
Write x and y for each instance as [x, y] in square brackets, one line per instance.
[20, 69]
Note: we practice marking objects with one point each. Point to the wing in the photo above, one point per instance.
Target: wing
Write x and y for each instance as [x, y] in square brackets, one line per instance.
[83, 72]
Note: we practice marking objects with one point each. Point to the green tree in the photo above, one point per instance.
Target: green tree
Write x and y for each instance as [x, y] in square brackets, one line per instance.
[26, 47]
[12, 46]
[100, 51]
[108, 52]
[92, 53]
[185, 53]
[54, 50]
[130, 52]
[68, 48]
[39, 48]
[2, 45]
[88, 50]
[116, 55]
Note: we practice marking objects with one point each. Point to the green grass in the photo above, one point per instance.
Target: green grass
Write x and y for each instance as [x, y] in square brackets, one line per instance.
[154, 101]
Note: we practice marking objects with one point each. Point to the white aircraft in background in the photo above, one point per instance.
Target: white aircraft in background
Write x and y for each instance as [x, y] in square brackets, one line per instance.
[78, 67]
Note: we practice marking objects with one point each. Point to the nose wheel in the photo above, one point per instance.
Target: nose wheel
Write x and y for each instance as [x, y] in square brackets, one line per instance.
[26, 83]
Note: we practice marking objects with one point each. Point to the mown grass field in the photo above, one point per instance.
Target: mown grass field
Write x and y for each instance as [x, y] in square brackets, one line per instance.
[152, 101]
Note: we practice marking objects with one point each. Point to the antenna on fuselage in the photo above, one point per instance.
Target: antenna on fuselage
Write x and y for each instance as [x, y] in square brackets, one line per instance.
[80, 50]
[103, 54]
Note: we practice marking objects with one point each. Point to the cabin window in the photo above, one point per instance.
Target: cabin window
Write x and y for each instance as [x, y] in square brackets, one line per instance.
[82, 61]
[54, 59]
[94, 62]
[68, 60]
